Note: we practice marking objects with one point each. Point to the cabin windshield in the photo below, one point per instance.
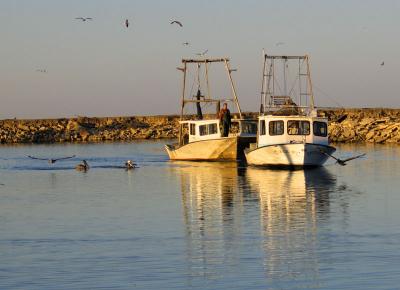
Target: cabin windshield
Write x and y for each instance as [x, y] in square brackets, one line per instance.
[208, 129]
[296, 127]
[276, 128]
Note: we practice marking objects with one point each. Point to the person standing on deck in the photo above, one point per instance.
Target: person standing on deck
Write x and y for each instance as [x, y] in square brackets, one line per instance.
[225, 119]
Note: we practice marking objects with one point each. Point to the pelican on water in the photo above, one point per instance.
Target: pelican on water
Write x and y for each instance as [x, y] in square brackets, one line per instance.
[130, 165]
[84, 166]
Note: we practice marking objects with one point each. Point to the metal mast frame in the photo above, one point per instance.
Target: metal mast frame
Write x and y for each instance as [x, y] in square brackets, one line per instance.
[207, 99]
[268, 81]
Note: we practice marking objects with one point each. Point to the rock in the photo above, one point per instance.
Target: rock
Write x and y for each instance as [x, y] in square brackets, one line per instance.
[72, 125]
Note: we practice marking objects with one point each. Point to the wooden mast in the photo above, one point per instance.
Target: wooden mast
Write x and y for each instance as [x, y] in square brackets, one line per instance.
[183, 101]
[233, 88]
[263, 85]
[206, 61]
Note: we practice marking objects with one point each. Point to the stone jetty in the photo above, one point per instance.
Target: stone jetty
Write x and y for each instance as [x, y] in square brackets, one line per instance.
[363, 125]
[86, 129]
[345, 125]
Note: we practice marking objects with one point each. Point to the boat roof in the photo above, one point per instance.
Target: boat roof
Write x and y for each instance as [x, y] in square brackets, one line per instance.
[281, 117]
[207, 121]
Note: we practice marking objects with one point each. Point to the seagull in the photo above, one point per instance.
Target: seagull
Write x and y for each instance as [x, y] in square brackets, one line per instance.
[53, 160]
[176, 22]
[84, 18]
[130, 165]
[383, 63]
[127, 23]
[202, 53]
[185, 43]
[84, 166]
[279, 43]
[343, 162]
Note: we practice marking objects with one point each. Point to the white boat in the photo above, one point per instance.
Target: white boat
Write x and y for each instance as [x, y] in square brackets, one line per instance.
[289, 133]
[200, 136]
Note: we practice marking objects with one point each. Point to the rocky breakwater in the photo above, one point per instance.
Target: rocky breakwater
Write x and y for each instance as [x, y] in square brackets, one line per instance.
[364, 125]
[85, 129]
[345, 125]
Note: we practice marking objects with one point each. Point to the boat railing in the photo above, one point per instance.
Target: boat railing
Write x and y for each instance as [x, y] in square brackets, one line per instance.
[289, 110]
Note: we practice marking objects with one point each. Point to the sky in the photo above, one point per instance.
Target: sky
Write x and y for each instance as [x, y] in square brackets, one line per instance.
[101, 68]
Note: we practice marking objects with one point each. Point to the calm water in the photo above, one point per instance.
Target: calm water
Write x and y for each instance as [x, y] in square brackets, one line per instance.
[183, 225]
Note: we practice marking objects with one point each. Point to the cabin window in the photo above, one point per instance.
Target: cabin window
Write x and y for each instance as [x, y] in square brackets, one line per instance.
[320, 129]
[298, 127]
[208, 129]
[249, 127]
[276, 128]
[192, 129]
[203, 130]
[262, 127]
[212, 128]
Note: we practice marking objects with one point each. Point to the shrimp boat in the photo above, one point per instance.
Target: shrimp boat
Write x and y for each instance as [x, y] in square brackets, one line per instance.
[200, 135]
[290, 133]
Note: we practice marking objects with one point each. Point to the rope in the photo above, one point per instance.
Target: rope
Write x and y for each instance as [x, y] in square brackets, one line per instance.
[329, 97]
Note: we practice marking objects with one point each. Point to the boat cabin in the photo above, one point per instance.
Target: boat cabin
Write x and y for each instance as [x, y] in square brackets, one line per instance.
[200, 130]
[274, 130]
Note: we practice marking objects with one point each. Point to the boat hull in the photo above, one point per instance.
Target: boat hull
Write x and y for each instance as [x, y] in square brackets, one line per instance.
[211, 150]
[290, 155]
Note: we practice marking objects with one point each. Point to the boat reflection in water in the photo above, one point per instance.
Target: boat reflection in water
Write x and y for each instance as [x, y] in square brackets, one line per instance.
[292, 206]
[247, 219]
[212, 212]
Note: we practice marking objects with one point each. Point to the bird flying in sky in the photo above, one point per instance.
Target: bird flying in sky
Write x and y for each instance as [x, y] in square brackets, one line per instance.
[84, 18]
[279, 43]
[42, 70]
[202, 53]
[52, 160]
[383, 63]
[185, 43]
[176, 22]
[127, 23]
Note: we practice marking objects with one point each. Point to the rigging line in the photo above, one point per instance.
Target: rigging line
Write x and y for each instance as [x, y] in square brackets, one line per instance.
[191, 89]
[279, 87]
[294, 82]
[329, 97]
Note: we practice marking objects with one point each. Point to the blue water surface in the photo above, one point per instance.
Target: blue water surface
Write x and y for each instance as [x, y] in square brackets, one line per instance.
[187, 225]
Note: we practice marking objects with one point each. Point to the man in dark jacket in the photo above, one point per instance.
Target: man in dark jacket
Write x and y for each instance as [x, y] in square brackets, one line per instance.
[225, 119]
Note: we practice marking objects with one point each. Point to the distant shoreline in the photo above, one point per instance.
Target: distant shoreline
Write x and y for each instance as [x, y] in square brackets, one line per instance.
[372, 125]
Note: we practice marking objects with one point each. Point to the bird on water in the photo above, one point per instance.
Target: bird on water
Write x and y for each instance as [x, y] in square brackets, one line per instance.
[130, 165]
[84, 166]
